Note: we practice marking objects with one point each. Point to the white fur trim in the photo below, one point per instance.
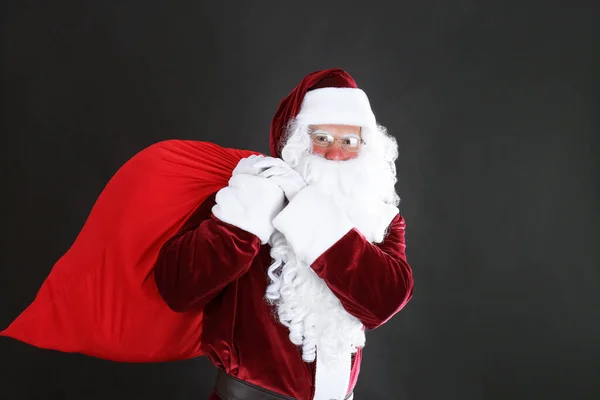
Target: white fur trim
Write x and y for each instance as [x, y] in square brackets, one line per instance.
[331, 381]
[250, 203]
[312, 223]
[344, 106]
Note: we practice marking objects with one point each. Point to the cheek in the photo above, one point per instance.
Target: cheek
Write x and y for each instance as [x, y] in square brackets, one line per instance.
[333, 153]
[320, 151]
[350, 156]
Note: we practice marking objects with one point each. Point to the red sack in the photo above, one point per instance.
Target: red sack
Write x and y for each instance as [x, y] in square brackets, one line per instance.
[100, 299]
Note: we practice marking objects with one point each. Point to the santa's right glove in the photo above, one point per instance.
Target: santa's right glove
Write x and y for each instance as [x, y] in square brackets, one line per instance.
[250, 203]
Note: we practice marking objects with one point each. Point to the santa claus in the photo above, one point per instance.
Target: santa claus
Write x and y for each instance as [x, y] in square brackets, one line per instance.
[299, 253]
[273, 267]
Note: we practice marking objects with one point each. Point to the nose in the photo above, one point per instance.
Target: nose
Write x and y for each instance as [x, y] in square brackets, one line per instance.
[336, 153]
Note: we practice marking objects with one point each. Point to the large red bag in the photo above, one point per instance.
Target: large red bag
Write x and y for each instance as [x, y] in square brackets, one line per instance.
[100, 298]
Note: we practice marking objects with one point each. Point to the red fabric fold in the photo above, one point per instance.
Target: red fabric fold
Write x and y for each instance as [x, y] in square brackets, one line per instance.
[352, 261]
[203, 258]
[100, 298]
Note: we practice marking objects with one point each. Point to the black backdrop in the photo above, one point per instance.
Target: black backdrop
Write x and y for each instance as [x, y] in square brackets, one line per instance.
[495, 108]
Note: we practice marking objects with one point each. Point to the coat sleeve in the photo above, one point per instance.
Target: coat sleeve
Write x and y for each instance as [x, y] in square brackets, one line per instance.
[201, 259]
[372, 281]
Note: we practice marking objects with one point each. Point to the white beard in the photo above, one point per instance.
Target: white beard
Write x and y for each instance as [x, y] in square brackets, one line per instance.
[314, 316]
[357, 186]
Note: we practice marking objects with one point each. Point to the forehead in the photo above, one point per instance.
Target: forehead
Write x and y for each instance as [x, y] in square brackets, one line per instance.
[337, 129]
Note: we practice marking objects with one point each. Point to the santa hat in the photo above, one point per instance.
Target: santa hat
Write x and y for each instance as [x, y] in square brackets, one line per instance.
[323, 97]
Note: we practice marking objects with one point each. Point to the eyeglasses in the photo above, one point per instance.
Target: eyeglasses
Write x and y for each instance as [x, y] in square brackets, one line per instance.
[350, 143]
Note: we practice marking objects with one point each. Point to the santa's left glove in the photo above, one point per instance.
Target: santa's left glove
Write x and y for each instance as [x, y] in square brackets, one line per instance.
[250, 203]
[276, 170]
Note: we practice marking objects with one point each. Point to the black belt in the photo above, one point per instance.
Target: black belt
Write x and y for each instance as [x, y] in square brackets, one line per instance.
[231, 388]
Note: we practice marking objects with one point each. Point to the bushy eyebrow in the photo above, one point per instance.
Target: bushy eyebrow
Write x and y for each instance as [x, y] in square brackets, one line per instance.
[342, 135]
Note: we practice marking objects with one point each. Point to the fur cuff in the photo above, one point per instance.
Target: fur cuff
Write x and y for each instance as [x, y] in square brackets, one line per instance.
[312, 223]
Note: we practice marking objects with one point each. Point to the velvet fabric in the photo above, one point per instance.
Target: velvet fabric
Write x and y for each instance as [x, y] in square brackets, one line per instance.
[222, 269]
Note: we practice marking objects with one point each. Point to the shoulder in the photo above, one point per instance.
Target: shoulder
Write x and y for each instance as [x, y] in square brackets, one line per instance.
[398, 222]
[396, 228]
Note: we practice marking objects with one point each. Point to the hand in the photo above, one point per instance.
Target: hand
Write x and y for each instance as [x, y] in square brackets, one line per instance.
[250, 203]
[254, 165]
[290, 181]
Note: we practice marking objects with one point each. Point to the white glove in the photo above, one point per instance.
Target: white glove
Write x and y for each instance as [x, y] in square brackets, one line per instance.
[250, 203]
[254, 165]
[246, 165]
[288, 179]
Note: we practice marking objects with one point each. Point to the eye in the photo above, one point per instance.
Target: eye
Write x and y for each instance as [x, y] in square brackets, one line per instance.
[350, 141]
[323, 138]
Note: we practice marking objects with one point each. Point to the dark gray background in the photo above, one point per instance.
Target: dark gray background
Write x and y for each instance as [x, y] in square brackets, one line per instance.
[495, 108]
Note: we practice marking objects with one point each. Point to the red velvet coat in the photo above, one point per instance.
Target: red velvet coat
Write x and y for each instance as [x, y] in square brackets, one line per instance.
[222, 268]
